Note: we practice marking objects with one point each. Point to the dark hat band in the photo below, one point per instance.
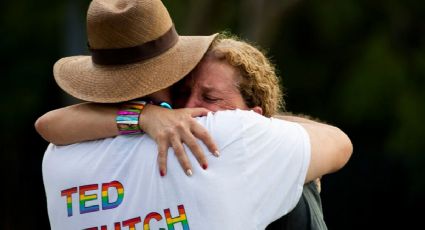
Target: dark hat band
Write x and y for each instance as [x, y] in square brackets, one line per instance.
[138, 53]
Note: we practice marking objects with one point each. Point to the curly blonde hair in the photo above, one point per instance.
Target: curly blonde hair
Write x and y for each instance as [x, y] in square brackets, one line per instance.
[258, 84]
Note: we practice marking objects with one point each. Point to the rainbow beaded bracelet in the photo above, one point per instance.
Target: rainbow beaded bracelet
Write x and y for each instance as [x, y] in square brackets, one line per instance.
[128, 118]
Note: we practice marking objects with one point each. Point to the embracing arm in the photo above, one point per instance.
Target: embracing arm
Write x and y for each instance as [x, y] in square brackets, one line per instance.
[90, 121]
[76, 123]
[330, 147]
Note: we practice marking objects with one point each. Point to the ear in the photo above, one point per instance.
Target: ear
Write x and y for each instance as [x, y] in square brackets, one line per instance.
[258, 110]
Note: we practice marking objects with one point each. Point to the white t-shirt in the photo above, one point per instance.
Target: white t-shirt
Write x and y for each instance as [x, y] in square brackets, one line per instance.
[114, 183]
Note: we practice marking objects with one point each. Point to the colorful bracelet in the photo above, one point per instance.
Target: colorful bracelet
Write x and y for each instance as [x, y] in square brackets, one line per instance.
[128, 118]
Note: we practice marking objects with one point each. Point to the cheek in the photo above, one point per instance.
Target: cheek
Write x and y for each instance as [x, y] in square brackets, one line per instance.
[212, 107]
[235, 101]
[241, 105]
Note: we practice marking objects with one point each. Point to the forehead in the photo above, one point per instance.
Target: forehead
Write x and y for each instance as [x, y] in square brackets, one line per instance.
[214, 73]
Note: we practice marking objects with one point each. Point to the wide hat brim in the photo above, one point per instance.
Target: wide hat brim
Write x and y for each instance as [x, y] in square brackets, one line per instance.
[81, 78]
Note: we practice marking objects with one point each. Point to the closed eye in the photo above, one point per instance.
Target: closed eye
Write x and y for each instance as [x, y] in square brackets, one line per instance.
[210, 99]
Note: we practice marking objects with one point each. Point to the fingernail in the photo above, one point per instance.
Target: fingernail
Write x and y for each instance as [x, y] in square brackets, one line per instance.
[216, 153]
[204, 166]
[189, 172]
[161, 173]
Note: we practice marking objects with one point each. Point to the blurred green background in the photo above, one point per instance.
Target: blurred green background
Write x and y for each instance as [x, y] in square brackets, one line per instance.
[357, 64]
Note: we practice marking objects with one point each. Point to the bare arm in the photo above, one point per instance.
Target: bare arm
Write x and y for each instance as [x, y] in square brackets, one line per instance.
[77, 123]
[90, 121]
[330, 147]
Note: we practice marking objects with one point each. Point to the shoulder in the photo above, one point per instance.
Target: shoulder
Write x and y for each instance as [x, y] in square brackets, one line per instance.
[232, 119]
[231, 125]
[96, 148]
[247, 122]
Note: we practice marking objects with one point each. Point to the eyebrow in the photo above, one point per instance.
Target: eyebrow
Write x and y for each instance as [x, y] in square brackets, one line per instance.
[209, 89]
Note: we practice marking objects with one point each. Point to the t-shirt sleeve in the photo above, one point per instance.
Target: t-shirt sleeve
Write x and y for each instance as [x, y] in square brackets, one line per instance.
[273, 159]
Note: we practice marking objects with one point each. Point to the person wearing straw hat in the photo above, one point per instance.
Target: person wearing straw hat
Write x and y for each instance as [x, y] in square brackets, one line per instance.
[122, 200]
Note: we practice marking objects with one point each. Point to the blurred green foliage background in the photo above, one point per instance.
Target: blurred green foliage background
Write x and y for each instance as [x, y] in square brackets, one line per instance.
[357, 64]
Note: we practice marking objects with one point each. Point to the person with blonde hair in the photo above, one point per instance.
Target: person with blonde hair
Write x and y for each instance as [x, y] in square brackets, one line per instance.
[258, 83]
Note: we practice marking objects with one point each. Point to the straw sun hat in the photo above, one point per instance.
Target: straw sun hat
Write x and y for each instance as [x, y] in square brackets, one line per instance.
[135, 51]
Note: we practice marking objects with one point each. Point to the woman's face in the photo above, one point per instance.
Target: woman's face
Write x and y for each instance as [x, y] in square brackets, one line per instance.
[211, 85]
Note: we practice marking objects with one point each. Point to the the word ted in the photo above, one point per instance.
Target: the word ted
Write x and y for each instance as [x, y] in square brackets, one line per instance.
[86, 194]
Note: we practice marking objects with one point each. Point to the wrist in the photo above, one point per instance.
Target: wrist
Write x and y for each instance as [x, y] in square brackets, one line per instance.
[127, 118]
